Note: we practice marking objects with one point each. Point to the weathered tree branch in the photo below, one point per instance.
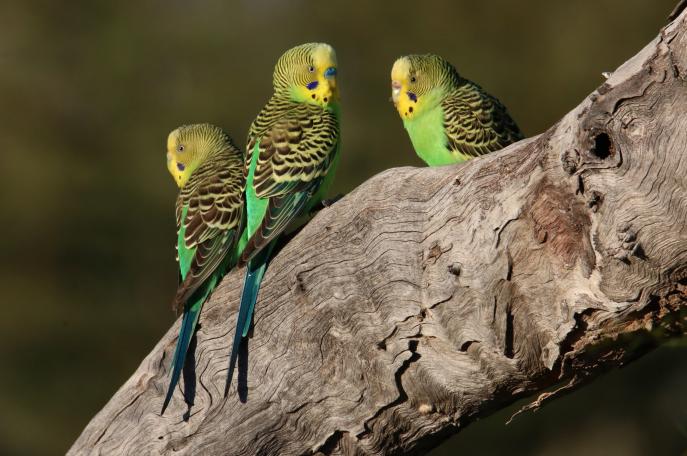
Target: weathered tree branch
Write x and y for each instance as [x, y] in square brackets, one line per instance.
[428, 298]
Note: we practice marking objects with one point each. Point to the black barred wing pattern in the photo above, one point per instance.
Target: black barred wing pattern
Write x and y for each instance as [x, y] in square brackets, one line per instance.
[477, 123]
[214, 201]
[295, 152]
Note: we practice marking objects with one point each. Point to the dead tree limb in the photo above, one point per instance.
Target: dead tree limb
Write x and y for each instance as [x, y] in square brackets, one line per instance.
[428, 298]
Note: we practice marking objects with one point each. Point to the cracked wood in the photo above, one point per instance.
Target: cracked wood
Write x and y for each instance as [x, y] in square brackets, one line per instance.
[428, 298]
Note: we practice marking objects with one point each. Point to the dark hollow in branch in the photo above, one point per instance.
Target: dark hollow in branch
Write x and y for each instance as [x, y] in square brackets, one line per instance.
[428, 298]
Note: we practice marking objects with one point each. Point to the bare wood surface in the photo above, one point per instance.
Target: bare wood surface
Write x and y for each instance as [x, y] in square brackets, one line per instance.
[428, 298]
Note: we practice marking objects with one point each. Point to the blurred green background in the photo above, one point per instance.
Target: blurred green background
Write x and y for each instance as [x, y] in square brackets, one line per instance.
[89, 91]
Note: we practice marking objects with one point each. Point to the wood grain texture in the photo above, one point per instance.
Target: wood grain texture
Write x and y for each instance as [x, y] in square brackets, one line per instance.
[428, 298]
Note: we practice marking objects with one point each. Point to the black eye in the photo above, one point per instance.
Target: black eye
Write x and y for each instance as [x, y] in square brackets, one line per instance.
[180, 148]
[413, 79]
[311, 69]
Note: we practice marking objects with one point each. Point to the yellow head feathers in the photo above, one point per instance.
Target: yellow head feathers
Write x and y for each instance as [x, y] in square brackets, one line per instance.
[418, 81]
[307, 73]
[189, 145]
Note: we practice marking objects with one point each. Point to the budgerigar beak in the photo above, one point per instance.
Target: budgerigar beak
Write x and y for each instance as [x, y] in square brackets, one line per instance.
[395, 91]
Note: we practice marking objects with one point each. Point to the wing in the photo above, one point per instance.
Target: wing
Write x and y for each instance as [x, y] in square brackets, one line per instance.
[477, 123]
[294, 155]
[209, 218]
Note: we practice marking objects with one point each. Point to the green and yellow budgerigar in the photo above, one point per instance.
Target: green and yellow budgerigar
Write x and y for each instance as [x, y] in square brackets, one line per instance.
[208, 169]
[449, 119]
[292, 152]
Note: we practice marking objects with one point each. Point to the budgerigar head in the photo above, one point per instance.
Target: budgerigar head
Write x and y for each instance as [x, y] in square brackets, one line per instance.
[190, 145]
[417, 82]
[307, 73]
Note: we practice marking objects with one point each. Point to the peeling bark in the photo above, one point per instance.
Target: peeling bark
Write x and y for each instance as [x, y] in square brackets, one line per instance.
[428, 298]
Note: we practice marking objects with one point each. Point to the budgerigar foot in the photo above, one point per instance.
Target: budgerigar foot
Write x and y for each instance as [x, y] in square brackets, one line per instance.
[325, 203]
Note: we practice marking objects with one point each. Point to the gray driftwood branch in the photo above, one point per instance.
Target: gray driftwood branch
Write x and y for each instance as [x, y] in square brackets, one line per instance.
[428, 298]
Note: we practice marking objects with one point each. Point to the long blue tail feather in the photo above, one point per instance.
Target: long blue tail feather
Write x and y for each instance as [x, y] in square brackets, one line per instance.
[188, 326]
[255, 270]
[252, 289]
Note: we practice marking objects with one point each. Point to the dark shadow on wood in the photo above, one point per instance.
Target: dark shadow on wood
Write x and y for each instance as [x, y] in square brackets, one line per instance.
[189, 374]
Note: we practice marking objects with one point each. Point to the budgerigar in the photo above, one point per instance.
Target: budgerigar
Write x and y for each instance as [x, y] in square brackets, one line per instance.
[449, 119]
[292, 152]
[208, 169]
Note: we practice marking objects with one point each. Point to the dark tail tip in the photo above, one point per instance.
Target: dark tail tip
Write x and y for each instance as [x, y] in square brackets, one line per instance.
[226, 387]
[230, 374]
[166, 403]
[232, 360]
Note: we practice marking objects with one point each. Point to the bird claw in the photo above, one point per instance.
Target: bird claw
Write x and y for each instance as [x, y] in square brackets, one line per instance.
[325, 203]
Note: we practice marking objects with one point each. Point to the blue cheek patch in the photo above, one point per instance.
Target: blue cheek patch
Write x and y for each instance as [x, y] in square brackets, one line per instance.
[313, 85]
[330, 72]
[180, 166]
[412, 96]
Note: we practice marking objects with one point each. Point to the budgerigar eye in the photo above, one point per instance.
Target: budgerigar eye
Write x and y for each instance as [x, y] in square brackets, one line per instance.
[180, 148]
[311, 69]
[413, 79]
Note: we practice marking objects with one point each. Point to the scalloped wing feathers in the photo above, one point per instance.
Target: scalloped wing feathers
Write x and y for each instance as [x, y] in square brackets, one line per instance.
[213, 197]
[296, 146]
[476, 123]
